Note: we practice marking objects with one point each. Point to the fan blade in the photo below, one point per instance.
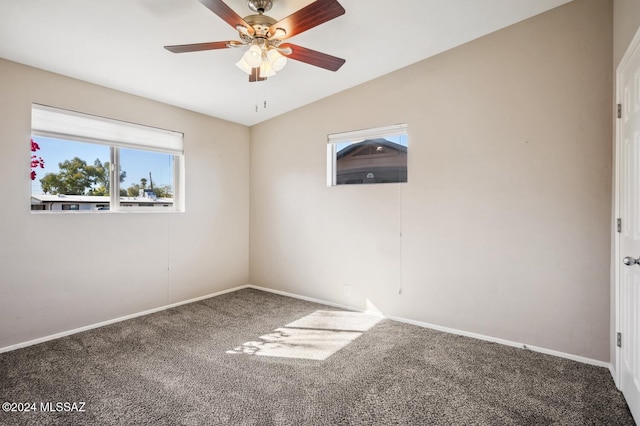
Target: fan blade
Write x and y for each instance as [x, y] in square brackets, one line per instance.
[182, 48]
[316, 13]
[255, 75]
[227, 14]
[312, 57]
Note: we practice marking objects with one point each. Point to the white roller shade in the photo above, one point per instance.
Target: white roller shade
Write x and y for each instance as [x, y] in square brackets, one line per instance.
[360, 135]
[70, 125]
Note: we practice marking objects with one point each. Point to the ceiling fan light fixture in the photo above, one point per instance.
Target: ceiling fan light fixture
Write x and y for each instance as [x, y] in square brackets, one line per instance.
[242, 64]
[266, 70]
[253, 56]
[277, 61]
[263, 36]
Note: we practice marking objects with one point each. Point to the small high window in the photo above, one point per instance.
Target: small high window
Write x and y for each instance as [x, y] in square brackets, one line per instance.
[368, 156]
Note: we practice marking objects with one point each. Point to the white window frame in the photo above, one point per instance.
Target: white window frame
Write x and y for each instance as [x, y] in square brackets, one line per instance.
[75, 126]
[356, 136]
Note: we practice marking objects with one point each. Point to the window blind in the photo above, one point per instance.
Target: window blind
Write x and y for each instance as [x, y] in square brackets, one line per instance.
[70, 125]
[360, 135]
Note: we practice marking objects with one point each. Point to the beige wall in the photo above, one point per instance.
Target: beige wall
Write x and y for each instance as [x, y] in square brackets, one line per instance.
[626, 21]
[626, 18]
[505, 218]
[63, 271]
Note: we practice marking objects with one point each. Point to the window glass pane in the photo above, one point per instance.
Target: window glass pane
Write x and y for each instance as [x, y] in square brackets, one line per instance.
[68, 175]
[149, 180]
[378, 160]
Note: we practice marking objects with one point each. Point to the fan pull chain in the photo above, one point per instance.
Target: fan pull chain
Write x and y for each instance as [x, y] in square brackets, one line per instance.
[256, 95]
[264, 96]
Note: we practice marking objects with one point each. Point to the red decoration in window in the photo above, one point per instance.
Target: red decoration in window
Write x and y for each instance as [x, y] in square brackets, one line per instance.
[36, 161]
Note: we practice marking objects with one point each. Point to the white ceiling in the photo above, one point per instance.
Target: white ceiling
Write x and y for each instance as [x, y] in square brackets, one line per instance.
[119, 44]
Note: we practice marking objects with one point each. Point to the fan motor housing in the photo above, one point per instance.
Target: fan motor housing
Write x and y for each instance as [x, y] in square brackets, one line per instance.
[260, 23]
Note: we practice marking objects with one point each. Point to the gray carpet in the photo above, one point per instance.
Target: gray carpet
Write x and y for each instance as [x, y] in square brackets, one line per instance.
[188, 366]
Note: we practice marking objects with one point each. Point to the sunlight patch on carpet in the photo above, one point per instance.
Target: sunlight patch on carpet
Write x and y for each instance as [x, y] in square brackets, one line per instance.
[316, 336]
[337, 320]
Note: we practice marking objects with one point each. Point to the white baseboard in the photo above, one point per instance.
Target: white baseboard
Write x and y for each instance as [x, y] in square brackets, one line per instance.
[614, 374]
[112, 321]
[572, 357]
[308, 299]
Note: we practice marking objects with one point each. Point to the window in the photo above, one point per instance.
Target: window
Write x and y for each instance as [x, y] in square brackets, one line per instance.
[368, 156]
[81, 162]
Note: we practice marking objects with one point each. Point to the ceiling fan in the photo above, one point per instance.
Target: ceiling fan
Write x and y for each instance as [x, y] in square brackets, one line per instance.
[264, 36]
